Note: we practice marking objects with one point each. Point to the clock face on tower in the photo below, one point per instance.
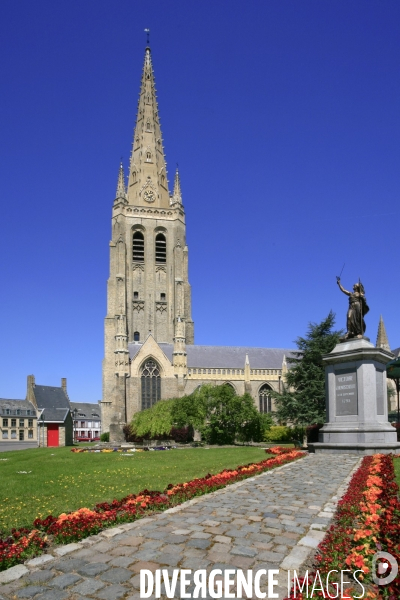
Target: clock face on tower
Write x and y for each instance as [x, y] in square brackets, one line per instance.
[149, 195]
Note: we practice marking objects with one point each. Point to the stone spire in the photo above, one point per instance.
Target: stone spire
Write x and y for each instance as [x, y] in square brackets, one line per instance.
[177, 195]
[382, 339]
[147, 182]
[121, 191]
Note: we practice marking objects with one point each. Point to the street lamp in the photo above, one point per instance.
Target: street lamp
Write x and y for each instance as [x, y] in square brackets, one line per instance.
[74, 415]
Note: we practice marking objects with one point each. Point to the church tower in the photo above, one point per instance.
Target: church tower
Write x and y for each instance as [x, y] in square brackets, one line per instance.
[148, 291]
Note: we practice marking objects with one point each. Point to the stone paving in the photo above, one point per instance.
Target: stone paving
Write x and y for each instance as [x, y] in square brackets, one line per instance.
[271, 521]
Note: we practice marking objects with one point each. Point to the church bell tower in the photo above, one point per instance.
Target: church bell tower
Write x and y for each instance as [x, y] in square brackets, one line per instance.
[148, 288]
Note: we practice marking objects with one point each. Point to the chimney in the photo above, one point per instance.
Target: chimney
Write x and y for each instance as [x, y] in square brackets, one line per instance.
[30, 394]
[64, 385]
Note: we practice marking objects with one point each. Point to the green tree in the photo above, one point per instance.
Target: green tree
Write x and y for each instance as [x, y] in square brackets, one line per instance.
[192, 410]
[216, 411]
[303, 399]
[231, 417]
[155, 421]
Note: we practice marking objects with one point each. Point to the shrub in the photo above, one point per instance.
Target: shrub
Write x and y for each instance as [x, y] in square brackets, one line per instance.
[278, 433]
[267, 421]
[182, 435]
[105, 437]
[297, 434]
[129, 435]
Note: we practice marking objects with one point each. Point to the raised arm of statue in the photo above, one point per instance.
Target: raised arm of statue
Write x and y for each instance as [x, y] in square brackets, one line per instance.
[341, 287]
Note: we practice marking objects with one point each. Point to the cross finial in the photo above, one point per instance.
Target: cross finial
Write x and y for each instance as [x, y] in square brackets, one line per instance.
[147, 31]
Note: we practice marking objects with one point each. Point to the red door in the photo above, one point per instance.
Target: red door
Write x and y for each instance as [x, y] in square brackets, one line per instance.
[52, 435]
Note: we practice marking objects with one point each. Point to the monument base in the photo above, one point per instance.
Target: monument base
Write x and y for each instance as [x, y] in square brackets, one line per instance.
[116, 433]
[356, 401]
[364, 449]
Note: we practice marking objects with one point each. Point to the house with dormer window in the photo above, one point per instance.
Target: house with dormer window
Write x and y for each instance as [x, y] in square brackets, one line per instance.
[87, 421]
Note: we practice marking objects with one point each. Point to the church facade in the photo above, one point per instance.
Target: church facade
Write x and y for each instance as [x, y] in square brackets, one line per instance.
[150, 352]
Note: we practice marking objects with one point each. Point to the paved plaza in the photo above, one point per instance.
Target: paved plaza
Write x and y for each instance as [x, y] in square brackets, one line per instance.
[272, 521]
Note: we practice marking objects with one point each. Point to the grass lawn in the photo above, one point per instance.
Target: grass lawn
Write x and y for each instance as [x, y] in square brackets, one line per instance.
[58, 480]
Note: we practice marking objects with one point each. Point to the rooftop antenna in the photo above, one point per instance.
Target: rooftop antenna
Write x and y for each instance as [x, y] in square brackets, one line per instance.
[147, 31]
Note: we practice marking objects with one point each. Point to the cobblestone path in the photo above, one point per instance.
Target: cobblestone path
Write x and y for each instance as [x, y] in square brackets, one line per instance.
[273, 520]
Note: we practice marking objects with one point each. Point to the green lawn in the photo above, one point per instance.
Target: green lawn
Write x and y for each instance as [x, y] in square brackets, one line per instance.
[58, 480]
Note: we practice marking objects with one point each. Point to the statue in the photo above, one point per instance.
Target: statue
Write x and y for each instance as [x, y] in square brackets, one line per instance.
[358, 307]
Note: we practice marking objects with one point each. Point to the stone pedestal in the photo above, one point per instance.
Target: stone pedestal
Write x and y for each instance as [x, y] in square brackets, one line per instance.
[357, 412]
[116, 432]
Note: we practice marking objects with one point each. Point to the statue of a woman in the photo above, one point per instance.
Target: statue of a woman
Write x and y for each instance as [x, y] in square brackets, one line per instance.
[358, 307]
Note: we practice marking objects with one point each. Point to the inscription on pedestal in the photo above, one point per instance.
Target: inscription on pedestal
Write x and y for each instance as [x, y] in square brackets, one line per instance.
[380, 406]
[346, 393]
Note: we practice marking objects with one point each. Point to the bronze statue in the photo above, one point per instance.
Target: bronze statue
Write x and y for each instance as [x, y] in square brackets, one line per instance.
[358, 307]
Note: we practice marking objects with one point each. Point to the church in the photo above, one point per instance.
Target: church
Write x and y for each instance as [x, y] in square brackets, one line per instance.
[150, 350]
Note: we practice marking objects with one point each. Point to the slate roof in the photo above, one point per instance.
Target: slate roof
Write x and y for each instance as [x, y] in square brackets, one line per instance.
[14, 405]
[53, 401]
[231, 357]
[396, 352]
[87, 409]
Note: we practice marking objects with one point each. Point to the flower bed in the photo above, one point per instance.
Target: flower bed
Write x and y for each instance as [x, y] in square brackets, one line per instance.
[367, 521]
[79, 524]
[127, 451]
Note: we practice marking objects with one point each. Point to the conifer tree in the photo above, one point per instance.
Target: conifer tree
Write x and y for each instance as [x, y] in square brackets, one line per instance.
[303, 399]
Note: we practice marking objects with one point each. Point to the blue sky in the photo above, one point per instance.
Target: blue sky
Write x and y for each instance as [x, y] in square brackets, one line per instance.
[284, 119]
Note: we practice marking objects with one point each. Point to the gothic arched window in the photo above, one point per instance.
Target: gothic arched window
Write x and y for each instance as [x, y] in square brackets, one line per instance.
[151, 384]
[161, 248]
[136, 336]
[138, 246]
[264, 396]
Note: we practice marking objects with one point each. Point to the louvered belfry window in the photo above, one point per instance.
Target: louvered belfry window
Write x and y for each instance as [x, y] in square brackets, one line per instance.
[151, 384]
[138, 246]
[264, 396]
[161, 248]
